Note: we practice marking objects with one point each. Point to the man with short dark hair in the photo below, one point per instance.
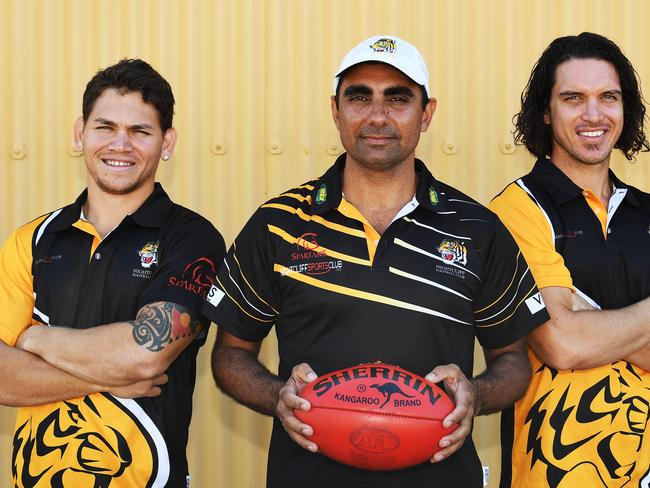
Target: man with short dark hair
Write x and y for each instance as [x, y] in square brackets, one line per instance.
[100, 319]
[584, 419]
[374, 261]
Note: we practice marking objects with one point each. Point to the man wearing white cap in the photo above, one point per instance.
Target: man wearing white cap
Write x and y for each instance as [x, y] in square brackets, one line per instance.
[374, 261]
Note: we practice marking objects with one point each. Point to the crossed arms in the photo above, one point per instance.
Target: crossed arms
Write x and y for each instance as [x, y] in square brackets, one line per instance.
[127, 359]
[578, 336]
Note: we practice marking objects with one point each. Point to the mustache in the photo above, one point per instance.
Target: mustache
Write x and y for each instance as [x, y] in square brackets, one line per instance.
[377, 131]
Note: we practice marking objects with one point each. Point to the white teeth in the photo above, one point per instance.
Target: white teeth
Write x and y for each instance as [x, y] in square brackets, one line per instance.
[592, 133]
[111, 162]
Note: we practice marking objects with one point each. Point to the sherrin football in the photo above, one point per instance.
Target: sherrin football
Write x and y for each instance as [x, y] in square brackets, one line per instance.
[376, 416]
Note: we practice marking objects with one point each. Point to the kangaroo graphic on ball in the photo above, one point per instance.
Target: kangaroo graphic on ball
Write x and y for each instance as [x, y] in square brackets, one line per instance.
[387, 390]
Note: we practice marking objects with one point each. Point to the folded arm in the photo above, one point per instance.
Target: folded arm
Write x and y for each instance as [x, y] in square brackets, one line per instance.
[120, 353]
[580, 337]
[27, 379]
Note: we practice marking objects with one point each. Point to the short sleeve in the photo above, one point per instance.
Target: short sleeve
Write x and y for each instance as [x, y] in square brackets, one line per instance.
[16, 285]
[188, 257]
[508, 305]
[244, 298]
[532, 232]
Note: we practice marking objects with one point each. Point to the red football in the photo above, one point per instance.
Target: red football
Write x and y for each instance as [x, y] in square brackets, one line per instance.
[376, 416]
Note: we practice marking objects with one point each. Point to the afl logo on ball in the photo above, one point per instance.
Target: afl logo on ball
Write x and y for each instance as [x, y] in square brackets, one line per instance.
[374, 441]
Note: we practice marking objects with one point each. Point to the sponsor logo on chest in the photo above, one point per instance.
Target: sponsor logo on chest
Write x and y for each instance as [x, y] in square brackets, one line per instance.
[48, 259]
[308, 257]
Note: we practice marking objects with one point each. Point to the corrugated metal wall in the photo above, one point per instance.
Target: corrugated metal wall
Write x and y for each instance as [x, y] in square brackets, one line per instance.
[252, 80]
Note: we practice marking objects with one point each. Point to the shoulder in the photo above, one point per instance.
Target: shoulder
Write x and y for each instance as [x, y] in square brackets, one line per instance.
[185, 225]
[294, 204]
[180, 215]
[297, 197]
[34, 229]
[183, 219]
[469, 211]
[514, 197]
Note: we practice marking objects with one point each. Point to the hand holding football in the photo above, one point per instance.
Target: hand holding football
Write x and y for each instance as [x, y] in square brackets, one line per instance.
[376, 416]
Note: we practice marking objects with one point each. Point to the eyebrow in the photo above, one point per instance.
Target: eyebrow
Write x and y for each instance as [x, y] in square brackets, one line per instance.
[357, 90]
[101, 120]
[570, 92]
[366, 90]
[399, 90]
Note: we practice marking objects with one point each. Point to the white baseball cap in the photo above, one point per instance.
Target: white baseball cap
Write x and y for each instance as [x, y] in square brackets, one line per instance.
[390, 50]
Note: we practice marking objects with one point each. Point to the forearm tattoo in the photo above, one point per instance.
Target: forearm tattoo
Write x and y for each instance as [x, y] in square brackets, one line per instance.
[162, 323]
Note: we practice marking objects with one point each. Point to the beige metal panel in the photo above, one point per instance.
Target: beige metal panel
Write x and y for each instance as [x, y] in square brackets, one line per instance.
[252, 81]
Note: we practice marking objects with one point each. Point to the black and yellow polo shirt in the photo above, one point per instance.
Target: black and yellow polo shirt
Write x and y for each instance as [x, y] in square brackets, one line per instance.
[584, 428]
[56, 270]
[339, 294]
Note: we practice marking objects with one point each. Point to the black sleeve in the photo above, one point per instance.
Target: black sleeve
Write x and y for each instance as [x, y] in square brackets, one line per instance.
[244, 298]
[190, 250]
[508, 305]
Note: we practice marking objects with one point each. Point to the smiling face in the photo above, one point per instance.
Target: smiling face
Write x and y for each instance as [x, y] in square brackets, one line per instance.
[122, 143]
[380, 116]
[585, 112]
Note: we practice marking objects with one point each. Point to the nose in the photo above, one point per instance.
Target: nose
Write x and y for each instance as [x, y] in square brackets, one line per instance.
[379, 111]
[592, 111]
[120, 142]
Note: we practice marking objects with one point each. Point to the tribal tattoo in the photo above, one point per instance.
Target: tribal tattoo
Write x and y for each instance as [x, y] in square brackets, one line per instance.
[162, 323]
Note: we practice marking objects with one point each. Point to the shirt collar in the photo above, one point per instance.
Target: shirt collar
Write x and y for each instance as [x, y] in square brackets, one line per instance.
[152, 213]
[562, 189]
[327, 191]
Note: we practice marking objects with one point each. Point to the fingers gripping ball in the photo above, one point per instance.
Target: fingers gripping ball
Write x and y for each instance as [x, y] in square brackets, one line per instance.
[376, 416]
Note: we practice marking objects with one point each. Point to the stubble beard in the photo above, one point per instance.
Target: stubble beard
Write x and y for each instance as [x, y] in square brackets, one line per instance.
[583, 156]
[113, 190]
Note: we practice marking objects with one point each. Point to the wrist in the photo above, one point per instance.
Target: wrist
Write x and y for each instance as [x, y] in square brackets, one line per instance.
[474, 383]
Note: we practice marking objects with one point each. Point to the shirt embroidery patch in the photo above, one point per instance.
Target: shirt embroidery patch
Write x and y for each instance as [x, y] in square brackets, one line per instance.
[149, 254]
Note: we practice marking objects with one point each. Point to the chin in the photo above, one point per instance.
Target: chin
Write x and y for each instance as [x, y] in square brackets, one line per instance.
[118, 190]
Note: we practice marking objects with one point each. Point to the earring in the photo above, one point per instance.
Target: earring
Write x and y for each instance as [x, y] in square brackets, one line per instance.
[165, 157]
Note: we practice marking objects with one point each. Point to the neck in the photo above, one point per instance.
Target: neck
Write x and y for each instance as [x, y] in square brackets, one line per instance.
[379, 195]
[105, 210]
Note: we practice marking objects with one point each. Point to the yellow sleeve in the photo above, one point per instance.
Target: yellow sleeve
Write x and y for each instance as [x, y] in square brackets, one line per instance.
[16, 285]
[528, 225]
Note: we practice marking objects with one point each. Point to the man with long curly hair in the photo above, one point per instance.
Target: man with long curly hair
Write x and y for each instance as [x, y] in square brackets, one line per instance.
[585, 235]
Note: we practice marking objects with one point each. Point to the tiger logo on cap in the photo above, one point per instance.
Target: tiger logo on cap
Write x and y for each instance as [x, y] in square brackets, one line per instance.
[384, 45]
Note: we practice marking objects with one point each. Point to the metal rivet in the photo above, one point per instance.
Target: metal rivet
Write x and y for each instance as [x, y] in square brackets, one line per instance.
[334, 148]
[274, 146]
[219, 148]
[450, 147]
[508, 145]
[18, 151]
[74, 151]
